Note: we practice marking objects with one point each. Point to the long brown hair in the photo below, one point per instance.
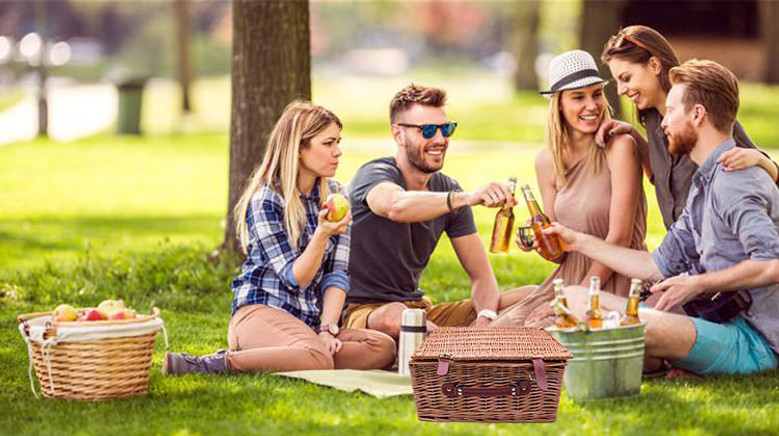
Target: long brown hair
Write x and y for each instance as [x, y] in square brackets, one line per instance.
[637, 44]
[300, 122]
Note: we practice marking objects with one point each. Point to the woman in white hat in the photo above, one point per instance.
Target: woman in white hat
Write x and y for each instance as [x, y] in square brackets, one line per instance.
[593, 190]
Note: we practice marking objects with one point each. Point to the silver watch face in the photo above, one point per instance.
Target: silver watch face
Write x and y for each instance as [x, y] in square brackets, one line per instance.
[333, 329]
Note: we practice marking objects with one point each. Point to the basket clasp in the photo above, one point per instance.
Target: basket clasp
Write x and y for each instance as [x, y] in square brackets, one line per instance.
[443, 363]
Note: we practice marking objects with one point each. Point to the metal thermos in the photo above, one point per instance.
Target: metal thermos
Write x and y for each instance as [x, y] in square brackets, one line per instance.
[413, 329]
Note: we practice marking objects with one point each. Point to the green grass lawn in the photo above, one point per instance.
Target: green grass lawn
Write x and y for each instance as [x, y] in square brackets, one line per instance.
[136, 217]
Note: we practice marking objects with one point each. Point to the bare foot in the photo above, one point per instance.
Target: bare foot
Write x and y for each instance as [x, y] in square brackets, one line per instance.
[681, 374]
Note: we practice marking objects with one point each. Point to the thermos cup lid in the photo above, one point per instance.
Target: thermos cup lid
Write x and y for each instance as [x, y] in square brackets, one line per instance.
[413, 317]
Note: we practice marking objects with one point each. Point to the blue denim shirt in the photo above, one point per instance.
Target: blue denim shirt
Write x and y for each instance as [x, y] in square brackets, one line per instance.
[729, 217]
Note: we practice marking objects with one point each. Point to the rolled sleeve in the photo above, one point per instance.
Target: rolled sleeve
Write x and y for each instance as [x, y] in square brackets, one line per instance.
[265, 219]
[677, 253]
[338, 279]
[336, 266]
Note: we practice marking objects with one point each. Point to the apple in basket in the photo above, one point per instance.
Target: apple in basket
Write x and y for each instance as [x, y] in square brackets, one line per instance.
[121, 314]
[337, 206]
[64, 312]
[107, 306]
[92, 315]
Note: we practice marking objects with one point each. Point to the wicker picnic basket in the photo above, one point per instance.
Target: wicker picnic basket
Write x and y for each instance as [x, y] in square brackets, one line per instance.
[504, 374]
[91, 361]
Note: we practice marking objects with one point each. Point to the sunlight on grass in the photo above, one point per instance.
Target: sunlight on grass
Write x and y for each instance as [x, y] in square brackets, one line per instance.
[135, 218]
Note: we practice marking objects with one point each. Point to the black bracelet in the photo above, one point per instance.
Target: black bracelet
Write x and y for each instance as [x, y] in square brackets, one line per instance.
[449, 200]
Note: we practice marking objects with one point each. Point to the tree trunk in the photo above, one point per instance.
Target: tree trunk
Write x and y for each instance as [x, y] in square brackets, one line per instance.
[599, 20]
[43, 104]
[183, 47]
[769, 11]
[271, 67]
[523, 39]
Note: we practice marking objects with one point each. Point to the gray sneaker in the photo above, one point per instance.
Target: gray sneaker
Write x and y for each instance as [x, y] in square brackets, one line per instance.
[183, 363]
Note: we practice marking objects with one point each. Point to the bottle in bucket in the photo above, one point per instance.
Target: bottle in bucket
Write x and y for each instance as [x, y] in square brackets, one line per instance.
[594, 314]
[558, 292]
[504, 224]
[563, 317]
[549, 246]
[413, 328]
[631, 312]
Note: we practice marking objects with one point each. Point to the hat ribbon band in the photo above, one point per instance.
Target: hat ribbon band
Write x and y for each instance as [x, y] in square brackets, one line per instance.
[572, 78]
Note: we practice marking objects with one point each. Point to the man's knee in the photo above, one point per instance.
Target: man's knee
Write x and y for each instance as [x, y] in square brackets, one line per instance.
[668, 335]
[384, 349]
[386, 319]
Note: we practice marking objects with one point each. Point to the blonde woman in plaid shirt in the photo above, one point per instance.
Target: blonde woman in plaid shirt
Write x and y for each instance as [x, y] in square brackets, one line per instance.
[292, 285]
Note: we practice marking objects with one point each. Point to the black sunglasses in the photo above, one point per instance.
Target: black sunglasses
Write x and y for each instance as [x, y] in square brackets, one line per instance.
[428, 130]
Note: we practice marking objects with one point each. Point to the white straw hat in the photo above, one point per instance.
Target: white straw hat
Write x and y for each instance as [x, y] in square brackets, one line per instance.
[572, 70]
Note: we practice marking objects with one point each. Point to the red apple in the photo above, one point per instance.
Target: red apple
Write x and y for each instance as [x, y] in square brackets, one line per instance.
[122, 314]
[337, 206]
[64, 312]
[93, 315]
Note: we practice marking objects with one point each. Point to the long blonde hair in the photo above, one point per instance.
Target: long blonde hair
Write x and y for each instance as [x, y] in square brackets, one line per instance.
[300, 122]
[558, 139]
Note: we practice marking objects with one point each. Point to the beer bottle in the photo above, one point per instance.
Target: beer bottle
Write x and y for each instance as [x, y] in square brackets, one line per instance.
[563, 317]
[504, 224]
[631, 313]
[594, 314]
[558, 292]
[548, 245]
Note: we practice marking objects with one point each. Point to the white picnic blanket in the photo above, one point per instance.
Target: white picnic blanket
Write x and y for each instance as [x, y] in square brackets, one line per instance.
[375, 382]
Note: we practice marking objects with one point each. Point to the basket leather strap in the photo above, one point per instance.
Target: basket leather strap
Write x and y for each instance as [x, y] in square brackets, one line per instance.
[538, 367]
[458, 390]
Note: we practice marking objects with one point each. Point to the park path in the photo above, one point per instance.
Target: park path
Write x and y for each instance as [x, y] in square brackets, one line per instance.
[75, 111]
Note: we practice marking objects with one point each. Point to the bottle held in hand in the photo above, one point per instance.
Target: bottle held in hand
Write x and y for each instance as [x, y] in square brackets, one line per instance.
[504, 225]
[549, 246]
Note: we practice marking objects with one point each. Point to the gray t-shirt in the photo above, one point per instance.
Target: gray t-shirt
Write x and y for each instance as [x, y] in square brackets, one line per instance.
[671, 175]
[387, 257]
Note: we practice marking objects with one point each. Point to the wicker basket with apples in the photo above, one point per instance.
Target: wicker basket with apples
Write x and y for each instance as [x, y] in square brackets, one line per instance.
[91, 353]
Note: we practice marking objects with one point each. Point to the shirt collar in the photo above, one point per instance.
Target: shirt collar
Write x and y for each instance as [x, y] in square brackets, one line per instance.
[314, 197]
[710, 165]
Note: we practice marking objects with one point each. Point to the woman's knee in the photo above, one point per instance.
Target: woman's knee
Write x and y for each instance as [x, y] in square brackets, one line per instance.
[317, 356]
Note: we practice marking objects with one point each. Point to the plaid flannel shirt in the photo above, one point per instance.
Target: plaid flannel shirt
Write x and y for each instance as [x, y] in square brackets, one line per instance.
[266, 276]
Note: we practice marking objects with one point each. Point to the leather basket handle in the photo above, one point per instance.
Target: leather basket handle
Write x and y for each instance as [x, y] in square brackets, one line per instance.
[512, 390]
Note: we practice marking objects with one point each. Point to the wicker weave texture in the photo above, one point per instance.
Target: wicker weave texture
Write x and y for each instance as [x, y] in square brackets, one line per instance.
[533, 406]
[491, 343]
[95, 370]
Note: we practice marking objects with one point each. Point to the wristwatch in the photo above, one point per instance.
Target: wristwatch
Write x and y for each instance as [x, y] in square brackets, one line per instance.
[489, 314]
[329, 328]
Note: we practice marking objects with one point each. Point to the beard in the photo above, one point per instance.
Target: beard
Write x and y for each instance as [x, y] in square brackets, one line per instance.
[683, 142]
[417, 160]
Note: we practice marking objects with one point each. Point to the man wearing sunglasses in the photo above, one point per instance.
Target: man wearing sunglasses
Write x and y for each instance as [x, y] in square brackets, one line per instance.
[401, 206]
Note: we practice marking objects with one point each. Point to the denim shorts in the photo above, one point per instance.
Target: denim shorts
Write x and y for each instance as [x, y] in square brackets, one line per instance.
[731, 348]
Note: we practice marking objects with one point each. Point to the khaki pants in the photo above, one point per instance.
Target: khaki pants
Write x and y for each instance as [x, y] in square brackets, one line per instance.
[263, 338]
[457, 314]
